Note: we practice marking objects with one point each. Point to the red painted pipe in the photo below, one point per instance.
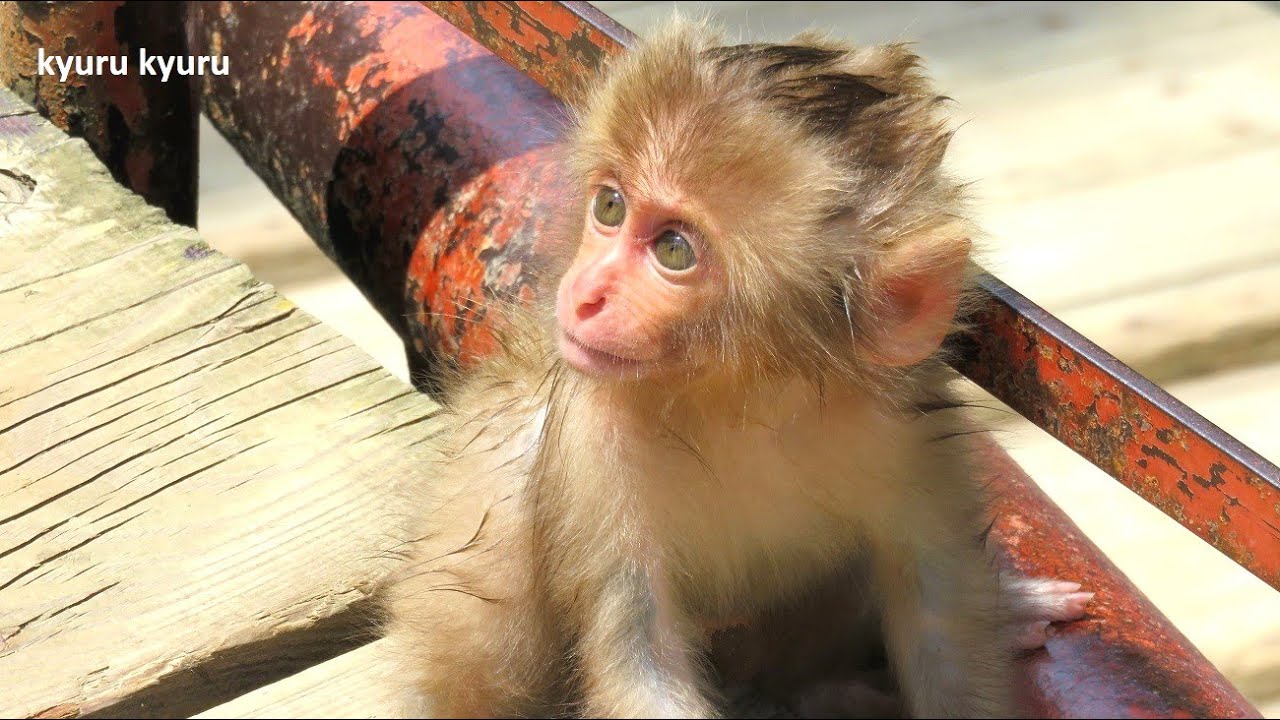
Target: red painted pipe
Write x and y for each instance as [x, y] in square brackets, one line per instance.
[419, 162]
[1124, 659]
[410, 154]
[142, 127]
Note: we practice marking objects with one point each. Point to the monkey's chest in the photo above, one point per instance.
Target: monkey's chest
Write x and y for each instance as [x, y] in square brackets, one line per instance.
[749, 520]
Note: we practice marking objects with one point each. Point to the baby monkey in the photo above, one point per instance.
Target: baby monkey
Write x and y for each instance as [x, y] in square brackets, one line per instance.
[727, 406]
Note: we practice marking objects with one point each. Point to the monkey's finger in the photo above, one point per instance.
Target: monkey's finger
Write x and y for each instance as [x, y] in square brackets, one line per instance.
[1031, 636]
[1072, 607]
[1022, 585]
[1058, 607]
[1041, 599]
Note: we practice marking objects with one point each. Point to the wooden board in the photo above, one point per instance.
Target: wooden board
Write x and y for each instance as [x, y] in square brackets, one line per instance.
[197, 479]
[352, 685]
[1192, 328]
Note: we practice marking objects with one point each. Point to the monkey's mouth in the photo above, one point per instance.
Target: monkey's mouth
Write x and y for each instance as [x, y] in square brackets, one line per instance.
[599, 363]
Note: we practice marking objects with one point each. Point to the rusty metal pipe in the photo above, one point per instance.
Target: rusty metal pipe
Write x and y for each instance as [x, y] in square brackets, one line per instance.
[419, 162]
[1124, 659]
[1129, 427]
[410, 154]
[141, 127]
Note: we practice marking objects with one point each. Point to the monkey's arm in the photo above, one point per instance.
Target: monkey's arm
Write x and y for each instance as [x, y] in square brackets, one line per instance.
[944, 627]
[634, 658]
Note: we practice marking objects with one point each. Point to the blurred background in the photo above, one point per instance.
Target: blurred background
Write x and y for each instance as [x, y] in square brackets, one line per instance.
[1126, 159]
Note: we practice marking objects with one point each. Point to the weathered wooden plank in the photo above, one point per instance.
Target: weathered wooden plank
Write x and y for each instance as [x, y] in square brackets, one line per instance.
[1161, 229]
[352, 685]
[1185, 329]
[197, 480]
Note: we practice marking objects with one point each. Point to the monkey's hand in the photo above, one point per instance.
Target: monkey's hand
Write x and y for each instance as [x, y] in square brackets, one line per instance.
[1034, 603]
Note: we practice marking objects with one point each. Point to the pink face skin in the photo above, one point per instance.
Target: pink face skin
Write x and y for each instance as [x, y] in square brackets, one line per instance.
[622, 313]
[618, 306]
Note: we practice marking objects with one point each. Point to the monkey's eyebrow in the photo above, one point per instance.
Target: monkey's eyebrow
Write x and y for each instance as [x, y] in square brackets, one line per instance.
[684, 210]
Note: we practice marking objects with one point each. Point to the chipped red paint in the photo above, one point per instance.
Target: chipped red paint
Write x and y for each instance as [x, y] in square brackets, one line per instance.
[143, 129]
[558, 44]
[412, 155]
[465, 265]
[1126, 425]
[421, 163]
[1124, 659]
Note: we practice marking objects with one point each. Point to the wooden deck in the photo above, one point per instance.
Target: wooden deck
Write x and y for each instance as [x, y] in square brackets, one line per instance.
[145, 378]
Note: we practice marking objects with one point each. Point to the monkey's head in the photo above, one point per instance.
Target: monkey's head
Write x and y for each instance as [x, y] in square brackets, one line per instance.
[760, 210]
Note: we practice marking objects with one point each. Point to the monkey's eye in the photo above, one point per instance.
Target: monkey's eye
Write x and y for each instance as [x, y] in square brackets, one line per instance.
[673, 251]
[609, 207]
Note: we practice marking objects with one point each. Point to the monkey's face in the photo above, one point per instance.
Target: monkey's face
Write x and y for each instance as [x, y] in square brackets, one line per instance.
[760, 212]
[639, 285]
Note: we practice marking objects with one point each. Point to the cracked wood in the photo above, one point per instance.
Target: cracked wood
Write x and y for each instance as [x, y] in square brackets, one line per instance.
[195, 476]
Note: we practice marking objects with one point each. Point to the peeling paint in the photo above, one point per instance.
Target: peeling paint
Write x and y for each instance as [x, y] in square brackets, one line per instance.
[142, 128]
[1133, 430]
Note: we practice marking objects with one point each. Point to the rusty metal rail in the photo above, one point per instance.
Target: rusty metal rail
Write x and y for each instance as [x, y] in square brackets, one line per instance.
[1129, 427]
[1112, 416]
[558, 44]
[141, 126]
[391, 137]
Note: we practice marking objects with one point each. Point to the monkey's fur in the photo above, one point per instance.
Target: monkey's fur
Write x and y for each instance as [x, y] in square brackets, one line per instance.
[583, 537]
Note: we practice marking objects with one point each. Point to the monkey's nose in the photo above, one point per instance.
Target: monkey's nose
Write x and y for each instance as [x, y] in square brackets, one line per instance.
[588, 310]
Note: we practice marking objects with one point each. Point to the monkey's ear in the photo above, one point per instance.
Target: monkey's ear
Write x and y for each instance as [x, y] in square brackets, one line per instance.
[920, 298]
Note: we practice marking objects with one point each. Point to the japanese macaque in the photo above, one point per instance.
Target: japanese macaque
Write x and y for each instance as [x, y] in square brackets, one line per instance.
[729, 418]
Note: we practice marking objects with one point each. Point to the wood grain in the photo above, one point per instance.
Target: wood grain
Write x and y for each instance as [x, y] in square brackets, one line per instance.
[352, 685]
[194, 473]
